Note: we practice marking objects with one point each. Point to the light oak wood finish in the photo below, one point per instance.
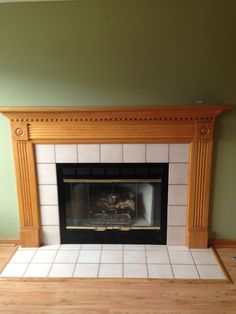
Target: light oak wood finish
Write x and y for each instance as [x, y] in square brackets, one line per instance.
[116, 296]
[6, 253]
[8, 241]
[167, 124]
[222, 243]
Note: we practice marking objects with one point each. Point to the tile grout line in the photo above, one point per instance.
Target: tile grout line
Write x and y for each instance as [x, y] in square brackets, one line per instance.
[100, 153]
[53, 261]
[199, 277]
[76, 262]
[123, 260]
[29, 262]
[168, 253]
[148, 275]
[99, 263]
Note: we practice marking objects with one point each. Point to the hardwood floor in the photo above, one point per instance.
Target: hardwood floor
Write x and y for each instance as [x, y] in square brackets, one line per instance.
[121, 296]
[6, 252]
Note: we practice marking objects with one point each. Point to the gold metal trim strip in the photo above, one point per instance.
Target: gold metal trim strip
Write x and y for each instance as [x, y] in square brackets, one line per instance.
[104, 228]
[111, 180]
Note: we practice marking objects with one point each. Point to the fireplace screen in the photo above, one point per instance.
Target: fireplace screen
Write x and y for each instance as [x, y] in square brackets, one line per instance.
[105, 200]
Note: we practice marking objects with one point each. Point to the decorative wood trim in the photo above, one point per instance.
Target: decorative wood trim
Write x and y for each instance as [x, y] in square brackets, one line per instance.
[27, 192]
[168, 124]
[222, 243]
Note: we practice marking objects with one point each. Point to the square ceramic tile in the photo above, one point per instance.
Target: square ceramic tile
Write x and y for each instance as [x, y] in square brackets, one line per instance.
[91, 246]
[66, 153]
[44, 256]
[50, 235]
[48, 195]
[49, 215]
[179, 152]
[23, 256]
[157, 152]
[177, 248]
[49, 247]
[45, 153]
[70, 246]
[14, 270]
[157, 257]
[66, 256]
[176, 235]
[155, 247]
[177, 194]
[210, 272]
[178, 173]
[135, 271]
[136, 257]
[185, 272]
[204, 257]
[87, 256]
[37, 270]
[118, 247]
[159, 271]
[111, 153]
[134, 152]
[86, 270]
[89, 153]
[176, 216]
[110, 270]
[62, 270]
[134, 247]
[46, 174]
[181, 257]
[112, 256]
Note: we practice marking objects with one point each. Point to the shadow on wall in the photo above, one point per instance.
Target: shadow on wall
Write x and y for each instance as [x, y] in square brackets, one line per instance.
[223, 214]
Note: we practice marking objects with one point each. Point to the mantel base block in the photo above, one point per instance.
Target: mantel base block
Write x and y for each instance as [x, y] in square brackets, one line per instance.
[197, 238]
[30, 237]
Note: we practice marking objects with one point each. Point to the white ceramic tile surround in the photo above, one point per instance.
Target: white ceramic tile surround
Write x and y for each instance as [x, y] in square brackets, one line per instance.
[177, 155]
[114, 261]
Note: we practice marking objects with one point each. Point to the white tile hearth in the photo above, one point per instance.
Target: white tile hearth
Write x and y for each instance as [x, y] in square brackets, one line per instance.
[110, 270]
[114, 261]
[160, 271]
[185, 272]
[135, 271]
[86, 270]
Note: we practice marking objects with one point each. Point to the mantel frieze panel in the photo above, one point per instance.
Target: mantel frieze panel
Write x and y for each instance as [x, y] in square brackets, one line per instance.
[109, 130]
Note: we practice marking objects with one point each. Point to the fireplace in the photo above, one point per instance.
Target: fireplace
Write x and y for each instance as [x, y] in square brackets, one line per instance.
[113, 203]
[188, 124]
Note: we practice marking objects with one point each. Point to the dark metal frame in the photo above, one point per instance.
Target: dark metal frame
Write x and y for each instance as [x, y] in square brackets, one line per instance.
[71, 171]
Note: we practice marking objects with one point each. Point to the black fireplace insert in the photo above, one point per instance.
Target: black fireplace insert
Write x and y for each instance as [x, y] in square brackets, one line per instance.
[113, 202]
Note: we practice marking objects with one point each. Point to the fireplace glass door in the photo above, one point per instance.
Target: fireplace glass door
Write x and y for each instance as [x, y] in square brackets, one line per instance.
[112, 203]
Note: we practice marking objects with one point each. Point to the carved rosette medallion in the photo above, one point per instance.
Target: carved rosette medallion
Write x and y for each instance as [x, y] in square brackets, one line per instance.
[20, 132]
[204, 131]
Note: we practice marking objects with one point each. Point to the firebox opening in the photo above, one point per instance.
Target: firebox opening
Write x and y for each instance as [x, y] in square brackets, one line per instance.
[113, 203]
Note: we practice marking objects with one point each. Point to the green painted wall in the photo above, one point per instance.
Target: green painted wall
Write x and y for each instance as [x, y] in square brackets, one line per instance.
[121, 52]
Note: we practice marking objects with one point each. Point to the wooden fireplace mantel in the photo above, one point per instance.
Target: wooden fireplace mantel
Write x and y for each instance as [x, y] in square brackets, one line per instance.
[168, 124]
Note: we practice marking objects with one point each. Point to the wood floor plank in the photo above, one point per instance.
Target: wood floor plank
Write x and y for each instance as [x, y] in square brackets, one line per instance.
[121, 296]
[6, 252]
